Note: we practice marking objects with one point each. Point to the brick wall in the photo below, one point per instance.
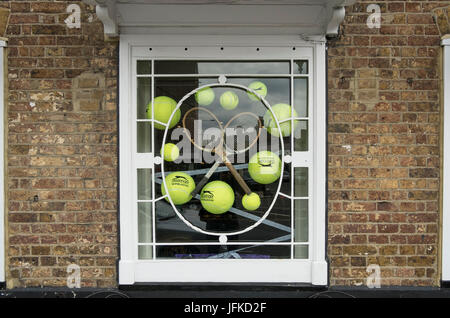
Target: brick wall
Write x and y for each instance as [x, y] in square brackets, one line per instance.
[384, 153]
[384, 145]
[62, 147]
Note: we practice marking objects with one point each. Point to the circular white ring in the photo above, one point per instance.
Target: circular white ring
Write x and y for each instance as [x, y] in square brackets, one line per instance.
[267, 105]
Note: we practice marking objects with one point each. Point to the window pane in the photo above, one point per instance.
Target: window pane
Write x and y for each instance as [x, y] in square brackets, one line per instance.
[144, 67]
[301, 220]
[301, 97]
[144, 177]
[144, 137]
[300, 135]
[145, 252]
[144, 96]
[301, 251]
[301, 182]
[224, 252]
[278, 89]
[277, 228]
[286, 186]
[300, 67]
[145, 222]
[221, 67]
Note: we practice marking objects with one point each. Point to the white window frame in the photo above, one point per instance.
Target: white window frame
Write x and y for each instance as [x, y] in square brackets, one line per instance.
[445, 243]
[2, 161]
[131, 270]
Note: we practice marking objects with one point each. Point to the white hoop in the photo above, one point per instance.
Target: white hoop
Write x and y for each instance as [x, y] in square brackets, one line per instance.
[267, 105]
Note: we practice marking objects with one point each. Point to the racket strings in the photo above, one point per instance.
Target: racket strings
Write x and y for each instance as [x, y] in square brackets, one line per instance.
[203, 129]
[242, 132]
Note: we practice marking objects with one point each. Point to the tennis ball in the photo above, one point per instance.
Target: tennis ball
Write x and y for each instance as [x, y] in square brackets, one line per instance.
[264, 167]
[282, 112]
[229, 100]
[251, 201]
[258, 87]
[217, 197]
[164, 107]
[171, 152]
[205, 96]
[180, 186]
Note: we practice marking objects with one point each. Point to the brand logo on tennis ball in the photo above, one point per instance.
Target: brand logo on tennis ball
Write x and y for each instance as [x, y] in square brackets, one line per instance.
[180, 180]
[265, 161]
[207, 196]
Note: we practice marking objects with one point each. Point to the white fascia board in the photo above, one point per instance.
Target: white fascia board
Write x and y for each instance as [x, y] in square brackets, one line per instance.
[305, 17]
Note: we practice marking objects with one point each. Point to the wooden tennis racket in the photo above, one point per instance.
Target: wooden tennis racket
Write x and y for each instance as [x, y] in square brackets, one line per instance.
[239, 134]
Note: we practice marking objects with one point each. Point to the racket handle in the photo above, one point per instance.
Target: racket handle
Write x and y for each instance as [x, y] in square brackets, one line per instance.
[238, 177]
[205, 179]
[199, 186]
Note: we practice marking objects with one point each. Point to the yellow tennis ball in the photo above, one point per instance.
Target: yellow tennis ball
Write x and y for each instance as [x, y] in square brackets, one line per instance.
[258, 87]
[229, 100]
[282, 112]
[171, 152]
[180, 186]
[163, 109]
[205, 96]
[251, 201]
[264, 167]
[217, 197]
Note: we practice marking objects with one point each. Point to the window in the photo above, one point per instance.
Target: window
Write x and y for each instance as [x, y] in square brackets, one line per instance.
[191, 96]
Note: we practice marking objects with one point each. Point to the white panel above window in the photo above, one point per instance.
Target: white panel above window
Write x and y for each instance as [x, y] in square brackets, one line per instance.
[301, 17]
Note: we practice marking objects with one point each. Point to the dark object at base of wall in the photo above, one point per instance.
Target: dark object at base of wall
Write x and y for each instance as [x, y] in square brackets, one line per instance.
[230, 291]
[445, 284]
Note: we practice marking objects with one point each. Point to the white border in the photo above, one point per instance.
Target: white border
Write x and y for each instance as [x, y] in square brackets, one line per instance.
[446, 164]
[2, 165]
[132, 270]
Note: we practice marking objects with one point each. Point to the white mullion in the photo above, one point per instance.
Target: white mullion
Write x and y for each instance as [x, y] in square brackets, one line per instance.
[246, 244]
[292, 165]
[293, 119]
[319, 273]
[231, 75]
[134, 183]
[152, 81]
[127, 273]
[311, 136]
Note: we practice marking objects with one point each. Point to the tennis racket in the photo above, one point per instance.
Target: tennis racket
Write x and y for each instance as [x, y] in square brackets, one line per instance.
[240, 133]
